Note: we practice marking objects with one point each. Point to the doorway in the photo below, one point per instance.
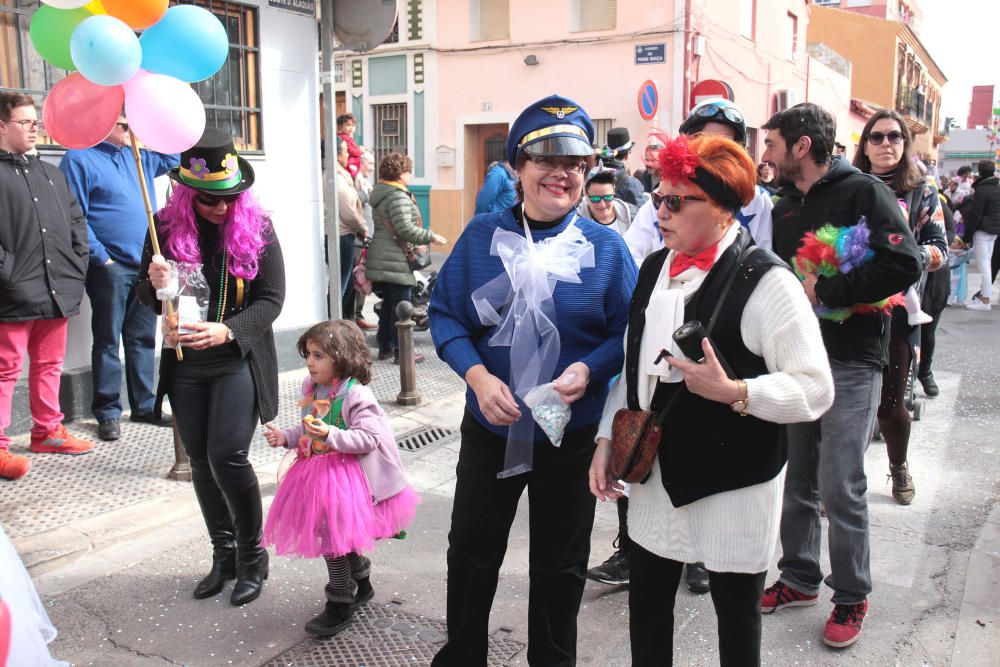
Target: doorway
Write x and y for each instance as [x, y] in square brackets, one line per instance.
[484, 145]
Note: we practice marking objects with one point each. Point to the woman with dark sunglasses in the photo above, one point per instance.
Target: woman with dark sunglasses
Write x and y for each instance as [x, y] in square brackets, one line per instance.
[886, 151]
[714, 491]
[601, 204]
[228, 378]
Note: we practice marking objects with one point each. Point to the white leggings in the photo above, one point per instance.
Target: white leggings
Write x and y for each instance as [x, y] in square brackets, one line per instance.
[982, 246]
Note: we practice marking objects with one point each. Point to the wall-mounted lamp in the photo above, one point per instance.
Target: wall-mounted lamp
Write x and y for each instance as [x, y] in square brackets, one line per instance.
[531, 60]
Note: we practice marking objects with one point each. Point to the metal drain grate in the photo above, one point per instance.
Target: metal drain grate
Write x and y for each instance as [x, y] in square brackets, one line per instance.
[417, 440]
[386, 636]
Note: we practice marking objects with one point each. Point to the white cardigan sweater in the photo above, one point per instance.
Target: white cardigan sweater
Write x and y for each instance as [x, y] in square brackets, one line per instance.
[736, 531]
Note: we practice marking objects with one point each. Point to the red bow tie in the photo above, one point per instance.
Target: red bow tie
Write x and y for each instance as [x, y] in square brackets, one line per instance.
[703, 260]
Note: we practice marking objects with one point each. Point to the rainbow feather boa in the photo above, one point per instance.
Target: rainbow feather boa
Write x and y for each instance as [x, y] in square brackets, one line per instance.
[831, 250]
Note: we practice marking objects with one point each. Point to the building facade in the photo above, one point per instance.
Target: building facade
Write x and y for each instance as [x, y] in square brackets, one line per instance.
[266, 96]
[892, 69]
[458, 72]
[981, 107]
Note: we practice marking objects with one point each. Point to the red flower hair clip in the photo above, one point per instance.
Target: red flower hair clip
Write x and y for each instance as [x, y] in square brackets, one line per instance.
[677, 161]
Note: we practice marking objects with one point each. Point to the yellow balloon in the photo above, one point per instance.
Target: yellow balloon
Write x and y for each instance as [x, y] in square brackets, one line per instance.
[96, 7]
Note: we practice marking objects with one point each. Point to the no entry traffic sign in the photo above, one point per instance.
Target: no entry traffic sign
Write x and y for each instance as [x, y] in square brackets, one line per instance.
[648, 100]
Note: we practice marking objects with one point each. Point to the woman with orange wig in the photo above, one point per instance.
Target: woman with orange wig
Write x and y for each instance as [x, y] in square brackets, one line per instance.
[713, 493]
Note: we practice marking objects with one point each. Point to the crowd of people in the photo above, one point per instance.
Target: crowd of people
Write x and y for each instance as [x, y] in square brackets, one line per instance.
[669, 295]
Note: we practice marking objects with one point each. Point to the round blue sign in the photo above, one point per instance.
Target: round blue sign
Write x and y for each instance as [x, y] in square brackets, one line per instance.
[648, 99]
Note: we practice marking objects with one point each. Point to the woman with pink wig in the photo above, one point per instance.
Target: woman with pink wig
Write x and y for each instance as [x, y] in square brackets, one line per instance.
[228, 378]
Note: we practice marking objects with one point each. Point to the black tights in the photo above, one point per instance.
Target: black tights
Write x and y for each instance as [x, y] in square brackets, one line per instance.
[893, 417]
[653, 585]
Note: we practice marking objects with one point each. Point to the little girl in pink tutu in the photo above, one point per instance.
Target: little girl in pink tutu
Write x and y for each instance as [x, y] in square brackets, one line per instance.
[346, 488]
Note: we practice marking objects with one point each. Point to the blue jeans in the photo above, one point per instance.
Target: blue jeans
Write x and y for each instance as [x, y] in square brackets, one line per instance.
[826, 459]
[117, 314]
[392, 294]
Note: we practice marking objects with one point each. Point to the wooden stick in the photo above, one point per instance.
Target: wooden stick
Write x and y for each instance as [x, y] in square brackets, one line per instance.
[168, 305]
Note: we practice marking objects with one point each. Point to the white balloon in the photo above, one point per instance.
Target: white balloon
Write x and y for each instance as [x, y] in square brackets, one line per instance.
[66, 4]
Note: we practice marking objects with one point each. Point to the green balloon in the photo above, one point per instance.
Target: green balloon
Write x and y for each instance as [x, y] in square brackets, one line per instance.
[51, 30]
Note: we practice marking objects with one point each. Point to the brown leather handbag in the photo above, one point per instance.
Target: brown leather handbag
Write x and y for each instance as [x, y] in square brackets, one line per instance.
[635, 440]
[635, 434]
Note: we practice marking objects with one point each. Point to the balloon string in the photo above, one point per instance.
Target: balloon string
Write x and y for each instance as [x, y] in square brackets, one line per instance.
[153, 239]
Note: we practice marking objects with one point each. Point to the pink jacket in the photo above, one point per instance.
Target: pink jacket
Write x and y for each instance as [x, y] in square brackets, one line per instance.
[369, 437]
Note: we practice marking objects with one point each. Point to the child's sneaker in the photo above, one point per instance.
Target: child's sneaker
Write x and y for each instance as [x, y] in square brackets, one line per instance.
[777, 596]
[13, 466]
[844, 626]
[918, 318]
[60, 441]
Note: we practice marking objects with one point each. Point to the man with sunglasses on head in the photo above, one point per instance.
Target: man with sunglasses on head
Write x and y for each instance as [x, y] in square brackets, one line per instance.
[106, 184]
[43, 261]
[826, 458]
[601, 204]
[714, 116]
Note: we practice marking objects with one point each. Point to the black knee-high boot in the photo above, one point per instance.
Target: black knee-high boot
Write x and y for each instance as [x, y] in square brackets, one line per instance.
[220, 530]
[251, 558]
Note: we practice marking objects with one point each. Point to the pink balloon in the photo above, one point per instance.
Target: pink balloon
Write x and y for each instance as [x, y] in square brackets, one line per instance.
[165, 113]
[81, 114]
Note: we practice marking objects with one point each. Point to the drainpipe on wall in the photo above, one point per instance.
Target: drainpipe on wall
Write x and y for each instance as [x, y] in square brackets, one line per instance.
[687, 59]
[808, 63]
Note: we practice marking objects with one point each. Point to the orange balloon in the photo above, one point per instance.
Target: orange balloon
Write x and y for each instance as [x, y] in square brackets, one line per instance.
[138, 14]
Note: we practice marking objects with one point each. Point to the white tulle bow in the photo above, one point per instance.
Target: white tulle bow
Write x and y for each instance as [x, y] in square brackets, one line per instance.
[519, 304]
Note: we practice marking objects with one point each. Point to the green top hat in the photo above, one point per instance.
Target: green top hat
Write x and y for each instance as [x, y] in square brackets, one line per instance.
[213, 166]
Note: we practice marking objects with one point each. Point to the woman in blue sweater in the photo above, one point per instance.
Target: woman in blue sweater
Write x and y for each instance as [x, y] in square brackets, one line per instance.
[530, 295]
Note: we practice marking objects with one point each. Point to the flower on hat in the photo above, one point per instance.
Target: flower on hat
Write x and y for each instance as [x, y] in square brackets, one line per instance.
[229, 163]
[677, 160]
[198, 167]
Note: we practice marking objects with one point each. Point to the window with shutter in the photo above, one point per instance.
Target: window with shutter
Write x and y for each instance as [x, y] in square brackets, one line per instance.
[494, 19]
[596, 14]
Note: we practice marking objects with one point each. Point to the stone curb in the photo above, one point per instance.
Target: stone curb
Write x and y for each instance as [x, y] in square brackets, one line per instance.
[977, 639]
[53, 549]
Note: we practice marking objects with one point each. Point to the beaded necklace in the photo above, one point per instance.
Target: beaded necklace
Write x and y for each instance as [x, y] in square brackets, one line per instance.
[224, 285]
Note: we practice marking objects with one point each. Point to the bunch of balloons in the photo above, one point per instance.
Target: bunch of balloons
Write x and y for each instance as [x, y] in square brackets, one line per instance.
[96, 40]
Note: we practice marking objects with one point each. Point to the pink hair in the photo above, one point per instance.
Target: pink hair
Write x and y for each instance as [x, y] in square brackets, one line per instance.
[244, 230]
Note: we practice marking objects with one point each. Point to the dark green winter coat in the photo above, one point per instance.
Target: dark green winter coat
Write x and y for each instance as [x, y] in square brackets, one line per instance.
[386, 261]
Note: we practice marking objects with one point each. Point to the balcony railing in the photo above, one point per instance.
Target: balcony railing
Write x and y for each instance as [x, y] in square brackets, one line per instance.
[913, 103]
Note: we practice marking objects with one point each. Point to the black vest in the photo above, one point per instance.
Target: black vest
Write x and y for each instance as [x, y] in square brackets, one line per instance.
[706, 448]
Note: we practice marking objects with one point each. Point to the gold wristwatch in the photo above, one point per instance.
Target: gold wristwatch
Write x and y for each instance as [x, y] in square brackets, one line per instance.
[742, 401]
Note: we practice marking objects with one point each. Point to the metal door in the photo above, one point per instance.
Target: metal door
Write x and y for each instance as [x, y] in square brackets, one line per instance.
[390, 130]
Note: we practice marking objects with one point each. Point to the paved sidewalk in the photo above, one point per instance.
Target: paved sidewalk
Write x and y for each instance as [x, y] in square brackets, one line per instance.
[120, 489]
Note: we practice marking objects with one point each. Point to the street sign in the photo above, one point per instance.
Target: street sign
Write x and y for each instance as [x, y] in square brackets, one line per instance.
[307, 7]
[650, 54]
[708, 89]
[648, 99]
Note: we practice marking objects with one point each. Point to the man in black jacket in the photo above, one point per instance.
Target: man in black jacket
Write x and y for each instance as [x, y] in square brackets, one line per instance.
[826, 457]
[982, 224]
[43, 264]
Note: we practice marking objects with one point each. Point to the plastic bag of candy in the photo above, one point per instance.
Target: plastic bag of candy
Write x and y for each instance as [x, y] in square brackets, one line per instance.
[549, 410]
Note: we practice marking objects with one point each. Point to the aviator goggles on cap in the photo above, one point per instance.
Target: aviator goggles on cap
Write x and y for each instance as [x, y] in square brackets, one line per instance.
[715, 110]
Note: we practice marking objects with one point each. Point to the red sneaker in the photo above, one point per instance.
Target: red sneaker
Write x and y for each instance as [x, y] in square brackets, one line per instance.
[777, 596]
[844, 625]
[13, 466]
[60, 441]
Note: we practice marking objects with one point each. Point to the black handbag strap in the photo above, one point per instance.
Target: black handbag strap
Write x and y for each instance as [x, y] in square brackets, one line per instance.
[708, 329]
